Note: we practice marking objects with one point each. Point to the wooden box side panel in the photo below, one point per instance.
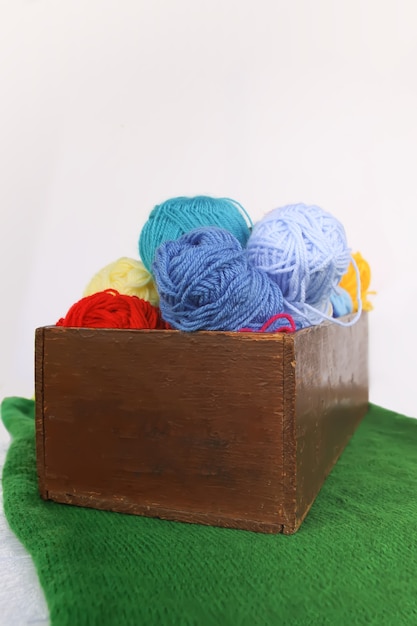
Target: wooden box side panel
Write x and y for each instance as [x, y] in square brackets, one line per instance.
[39, 425]
[289, 438]
[331, 399]
[167, 424]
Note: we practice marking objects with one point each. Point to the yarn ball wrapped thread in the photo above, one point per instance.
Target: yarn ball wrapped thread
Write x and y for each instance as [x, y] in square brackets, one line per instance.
[175, 217]
[304, 250]
[350, 284]
[204, 282]
[127, 276]
[110, 309]
[341, 302]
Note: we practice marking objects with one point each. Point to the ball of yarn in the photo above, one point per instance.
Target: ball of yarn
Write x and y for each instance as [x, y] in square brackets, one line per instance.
[341, 302]
[110, 309]
[349, 282]
[127, 276]
[205, 282]
[304, 250]
[175, 217]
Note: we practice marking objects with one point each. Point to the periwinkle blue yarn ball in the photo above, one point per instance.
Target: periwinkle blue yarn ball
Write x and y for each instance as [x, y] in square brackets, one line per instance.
[304, 251]
[175, 217]
[205, 282]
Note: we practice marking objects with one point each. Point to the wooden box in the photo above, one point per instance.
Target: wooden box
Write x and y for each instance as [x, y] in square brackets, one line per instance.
[221, 428]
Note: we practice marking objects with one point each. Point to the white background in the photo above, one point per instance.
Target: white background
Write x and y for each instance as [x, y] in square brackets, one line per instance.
[108, 107]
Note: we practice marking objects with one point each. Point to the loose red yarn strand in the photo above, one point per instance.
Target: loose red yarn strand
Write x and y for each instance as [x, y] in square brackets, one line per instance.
[282, 329]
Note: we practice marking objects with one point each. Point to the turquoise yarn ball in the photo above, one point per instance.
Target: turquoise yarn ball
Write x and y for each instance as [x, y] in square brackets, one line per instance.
[175, 217]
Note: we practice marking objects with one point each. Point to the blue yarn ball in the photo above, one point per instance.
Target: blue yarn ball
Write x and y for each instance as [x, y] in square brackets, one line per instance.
[175, 217]
[304, 250]
[205, 282]
[341, 302]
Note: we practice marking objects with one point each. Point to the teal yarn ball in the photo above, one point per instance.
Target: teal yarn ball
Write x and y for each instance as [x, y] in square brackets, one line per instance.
[177, 216]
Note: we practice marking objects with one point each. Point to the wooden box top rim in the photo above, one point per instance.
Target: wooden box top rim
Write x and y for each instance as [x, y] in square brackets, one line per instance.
[274, 336]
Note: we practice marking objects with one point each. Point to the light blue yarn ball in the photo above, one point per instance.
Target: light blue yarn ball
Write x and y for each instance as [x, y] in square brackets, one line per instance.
[175, 217]
[205, 282]
[341, 302]
[304, 250]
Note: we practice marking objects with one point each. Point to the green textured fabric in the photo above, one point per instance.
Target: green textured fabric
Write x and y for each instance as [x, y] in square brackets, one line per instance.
[353, 561]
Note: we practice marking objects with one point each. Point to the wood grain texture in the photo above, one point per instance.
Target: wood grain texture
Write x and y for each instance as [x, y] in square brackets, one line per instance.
[331, 398]
[161, 421]
[228, 429]
[40, 423]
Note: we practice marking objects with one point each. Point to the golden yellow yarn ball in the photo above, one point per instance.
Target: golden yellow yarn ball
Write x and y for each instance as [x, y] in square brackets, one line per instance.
[127, 276]
[348, 282]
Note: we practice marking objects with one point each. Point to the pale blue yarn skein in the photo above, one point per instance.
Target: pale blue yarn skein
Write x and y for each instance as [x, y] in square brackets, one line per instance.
[205, 282]
[341, 302]
[176, 216]
[304, 250]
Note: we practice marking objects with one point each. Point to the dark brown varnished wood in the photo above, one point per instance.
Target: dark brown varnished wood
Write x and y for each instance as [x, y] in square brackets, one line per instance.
[331, 399]
[229, 429]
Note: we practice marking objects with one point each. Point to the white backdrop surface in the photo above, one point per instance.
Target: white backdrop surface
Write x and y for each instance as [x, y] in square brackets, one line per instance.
[112, 106]
[109, 107]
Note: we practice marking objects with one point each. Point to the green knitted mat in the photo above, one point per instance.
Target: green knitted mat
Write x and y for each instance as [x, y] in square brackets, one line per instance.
[353, 561]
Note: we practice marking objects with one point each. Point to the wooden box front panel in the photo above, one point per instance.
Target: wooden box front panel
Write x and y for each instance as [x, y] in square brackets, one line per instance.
[163, 423]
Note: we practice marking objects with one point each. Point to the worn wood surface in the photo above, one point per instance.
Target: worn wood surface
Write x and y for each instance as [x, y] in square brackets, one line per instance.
[163, 423]
[331, 399]
[229, 429]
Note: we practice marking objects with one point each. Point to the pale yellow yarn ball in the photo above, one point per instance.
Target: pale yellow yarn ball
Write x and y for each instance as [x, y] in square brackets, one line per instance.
[127, 276]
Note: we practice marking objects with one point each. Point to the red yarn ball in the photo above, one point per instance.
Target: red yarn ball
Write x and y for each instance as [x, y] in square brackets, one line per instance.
[111, 309]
